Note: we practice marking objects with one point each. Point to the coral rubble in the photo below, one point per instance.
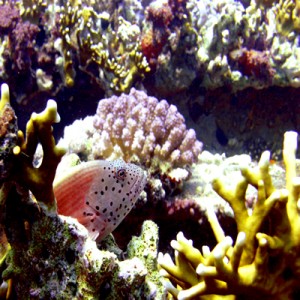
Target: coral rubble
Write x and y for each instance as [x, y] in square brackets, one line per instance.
[263, 262]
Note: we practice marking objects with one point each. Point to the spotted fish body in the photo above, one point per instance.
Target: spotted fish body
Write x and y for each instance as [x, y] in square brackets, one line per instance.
[99, 194]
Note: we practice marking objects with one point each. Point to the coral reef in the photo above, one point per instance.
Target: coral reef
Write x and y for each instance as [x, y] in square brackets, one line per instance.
[220, 33]
[9, 17]
[253, 63]
[52, 256]
[287, 17]
[171, 49]
[145, 128]
[19, 55]
[170, 41]
[48, 48]
[62, 262]
[8, 140]
[137, 128]
[115, 47]
[58, 261]
[264, 261]
[248, 121]
[8, 134]
[145, 249]
[115, 53]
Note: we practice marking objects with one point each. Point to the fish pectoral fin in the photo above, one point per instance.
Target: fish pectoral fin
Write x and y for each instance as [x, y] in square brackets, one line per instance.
[94, 224]
[93, 235]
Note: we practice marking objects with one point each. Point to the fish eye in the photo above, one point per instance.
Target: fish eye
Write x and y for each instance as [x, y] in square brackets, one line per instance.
[120, 174]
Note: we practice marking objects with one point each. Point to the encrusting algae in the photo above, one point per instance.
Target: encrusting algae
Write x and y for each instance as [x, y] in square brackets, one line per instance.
[50, 256]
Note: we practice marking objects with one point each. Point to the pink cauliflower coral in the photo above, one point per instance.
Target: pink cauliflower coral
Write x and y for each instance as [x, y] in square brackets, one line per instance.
[141, 128]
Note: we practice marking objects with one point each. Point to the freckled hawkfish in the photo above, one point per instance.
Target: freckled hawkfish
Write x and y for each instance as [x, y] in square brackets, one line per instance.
[99, 194]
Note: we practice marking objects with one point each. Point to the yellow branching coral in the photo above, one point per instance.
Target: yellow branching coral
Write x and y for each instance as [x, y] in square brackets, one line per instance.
[39, 130]
[287, 16]
[117, 54]
[264, 261]
[115, 50]
[30, 9]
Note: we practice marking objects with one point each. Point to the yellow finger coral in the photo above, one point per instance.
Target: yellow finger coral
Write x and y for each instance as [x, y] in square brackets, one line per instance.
[39, 130]
[287, 16]
[263, 263]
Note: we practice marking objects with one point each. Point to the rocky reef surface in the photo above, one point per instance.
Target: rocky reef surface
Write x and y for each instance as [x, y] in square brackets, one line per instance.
[164, 75]
[45, 255]
[48, 256]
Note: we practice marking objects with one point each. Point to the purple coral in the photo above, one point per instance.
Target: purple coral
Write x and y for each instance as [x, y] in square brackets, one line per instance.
[23, 41]
[9, 17]
[21, 50]
[139, 127]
